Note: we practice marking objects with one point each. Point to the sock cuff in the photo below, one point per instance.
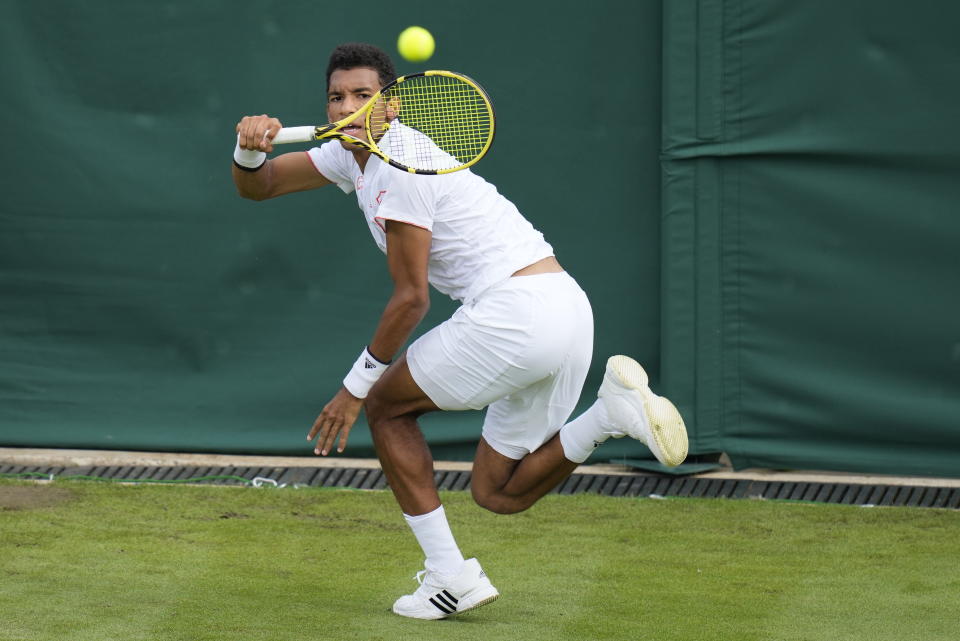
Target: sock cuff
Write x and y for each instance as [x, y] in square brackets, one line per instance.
[583, 434]
[572, 449]
[419, 518]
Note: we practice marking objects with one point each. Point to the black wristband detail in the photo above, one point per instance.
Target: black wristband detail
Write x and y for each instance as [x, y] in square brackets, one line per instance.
[377, 359]
[257, 168]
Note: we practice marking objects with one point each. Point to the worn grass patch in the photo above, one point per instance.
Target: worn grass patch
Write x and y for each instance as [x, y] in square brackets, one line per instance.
[105, 562]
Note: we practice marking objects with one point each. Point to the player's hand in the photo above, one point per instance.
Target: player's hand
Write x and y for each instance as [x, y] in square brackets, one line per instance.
[337, 417]
[256, 132]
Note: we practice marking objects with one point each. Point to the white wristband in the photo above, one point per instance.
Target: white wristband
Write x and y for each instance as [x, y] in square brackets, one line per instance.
[364, 373]
[249, 158]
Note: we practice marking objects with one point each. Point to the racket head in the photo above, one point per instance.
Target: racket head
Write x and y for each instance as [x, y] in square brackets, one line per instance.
[433, 122]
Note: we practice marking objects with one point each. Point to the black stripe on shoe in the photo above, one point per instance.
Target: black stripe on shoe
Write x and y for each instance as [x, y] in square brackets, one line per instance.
[452, 598]
[443, 606]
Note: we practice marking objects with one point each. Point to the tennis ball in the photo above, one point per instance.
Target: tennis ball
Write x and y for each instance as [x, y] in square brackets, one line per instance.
[415, 44]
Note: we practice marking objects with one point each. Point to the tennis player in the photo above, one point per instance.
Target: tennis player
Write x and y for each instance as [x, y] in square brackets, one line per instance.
[520, 345]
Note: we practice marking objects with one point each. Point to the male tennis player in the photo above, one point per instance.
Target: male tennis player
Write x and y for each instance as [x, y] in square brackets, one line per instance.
[520, 344]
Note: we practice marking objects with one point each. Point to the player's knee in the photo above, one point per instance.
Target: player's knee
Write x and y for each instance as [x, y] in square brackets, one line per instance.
[497, 502]
[376, 408]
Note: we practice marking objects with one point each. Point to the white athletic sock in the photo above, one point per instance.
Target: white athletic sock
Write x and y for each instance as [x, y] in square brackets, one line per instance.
[585, 433]
[437, 542]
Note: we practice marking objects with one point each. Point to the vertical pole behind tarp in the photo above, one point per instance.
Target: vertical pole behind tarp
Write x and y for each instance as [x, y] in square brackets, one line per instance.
[693, 137]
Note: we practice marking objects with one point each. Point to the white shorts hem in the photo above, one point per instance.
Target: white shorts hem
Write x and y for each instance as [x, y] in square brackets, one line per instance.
[513, 452]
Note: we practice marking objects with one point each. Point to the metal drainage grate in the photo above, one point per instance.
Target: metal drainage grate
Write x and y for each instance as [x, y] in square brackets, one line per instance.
[605, 484]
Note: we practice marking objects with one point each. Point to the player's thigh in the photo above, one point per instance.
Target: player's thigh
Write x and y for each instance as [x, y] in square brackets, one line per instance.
[522, 421]
[514, 336]
[396, 394]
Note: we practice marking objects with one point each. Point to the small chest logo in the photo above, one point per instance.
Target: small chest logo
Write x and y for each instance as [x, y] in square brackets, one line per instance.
[380, 195]
[359, 185]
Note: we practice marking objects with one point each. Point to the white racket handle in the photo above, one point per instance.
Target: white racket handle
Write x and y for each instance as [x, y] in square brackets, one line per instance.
[294, 134]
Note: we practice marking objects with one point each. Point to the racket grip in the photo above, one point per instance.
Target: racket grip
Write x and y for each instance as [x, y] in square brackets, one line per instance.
[294, 134]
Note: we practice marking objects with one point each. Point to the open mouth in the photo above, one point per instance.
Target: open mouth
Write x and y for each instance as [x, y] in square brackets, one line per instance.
[353, 130]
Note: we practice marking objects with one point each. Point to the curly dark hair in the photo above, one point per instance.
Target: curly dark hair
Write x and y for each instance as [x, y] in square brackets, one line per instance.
[360, 54]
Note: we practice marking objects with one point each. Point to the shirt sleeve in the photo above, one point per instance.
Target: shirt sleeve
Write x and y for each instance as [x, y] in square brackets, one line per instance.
[331, 165]
[411, 199]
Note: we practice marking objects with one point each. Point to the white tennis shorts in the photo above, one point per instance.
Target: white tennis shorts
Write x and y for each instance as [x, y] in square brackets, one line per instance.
[521, 349]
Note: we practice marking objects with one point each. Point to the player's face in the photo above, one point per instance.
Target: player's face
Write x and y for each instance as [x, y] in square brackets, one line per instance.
[349, 90]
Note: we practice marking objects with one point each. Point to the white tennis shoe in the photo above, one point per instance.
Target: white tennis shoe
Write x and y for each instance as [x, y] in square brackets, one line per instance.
[639, 413]
[439, 597]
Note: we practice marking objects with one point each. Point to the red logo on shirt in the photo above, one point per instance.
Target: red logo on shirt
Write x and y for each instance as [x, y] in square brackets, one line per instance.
[380, 195]
[359, 182]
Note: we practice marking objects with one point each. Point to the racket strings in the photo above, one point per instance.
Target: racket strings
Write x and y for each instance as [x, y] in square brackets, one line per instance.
[453, 117]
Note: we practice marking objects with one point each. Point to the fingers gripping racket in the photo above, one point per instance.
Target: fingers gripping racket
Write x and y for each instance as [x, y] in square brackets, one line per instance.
[434, 122]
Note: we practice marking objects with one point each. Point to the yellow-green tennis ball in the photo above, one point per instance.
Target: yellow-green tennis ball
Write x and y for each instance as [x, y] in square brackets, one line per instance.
[415, 44]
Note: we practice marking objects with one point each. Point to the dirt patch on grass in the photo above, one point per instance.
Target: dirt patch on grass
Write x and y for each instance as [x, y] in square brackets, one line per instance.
[28, 497]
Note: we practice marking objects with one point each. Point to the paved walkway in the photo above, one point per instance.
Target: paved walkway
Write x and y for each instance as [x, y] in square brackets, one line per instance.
[84, 458]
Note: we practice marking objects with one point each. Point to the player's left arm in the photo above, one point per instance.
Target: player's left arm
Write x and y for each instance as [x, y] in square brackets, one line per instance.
[408, 251]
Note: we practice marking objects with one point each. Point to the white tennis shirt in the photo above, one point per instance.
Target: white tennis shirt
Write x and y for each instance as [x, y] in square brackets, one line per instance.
[479, 237]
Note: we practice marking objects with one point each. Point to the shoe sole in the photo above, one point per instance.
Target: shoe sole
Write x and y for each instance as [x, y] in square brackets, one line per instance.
[433, 617]
[668, 432]
[489, 599]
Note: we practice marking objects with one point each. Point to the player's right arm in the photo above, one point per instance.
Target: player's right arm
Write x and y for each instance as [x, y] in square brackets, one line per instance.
[276, 176]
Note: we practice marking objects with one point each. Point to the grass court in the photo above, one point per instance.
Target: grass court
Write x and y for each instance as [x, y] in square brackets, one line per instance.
[101, 561]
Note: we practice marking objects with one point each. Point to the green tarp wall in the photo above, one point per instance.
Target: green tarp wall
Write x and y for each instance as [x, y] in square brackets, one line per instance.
[144, 305]
[811, 231]
[760, 197]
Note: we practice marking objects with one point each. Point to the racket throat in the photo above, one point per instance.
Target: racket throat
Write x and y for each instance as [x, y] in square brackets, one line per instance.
[321, 132]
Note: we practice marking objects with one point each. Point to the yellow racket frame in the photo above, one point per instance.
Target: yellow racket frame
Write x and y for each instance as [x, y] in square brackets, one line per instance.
[333, 130]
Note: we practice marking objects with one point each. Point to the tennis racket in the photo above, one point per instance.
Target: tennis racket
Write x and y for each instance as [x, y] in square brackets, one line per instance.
[434, 122]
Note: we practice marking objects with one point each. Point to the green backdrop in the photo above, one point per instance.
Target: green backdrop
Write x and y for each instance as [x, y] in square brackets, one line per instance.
[760, 196]
[146, 306]
[811, 204]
